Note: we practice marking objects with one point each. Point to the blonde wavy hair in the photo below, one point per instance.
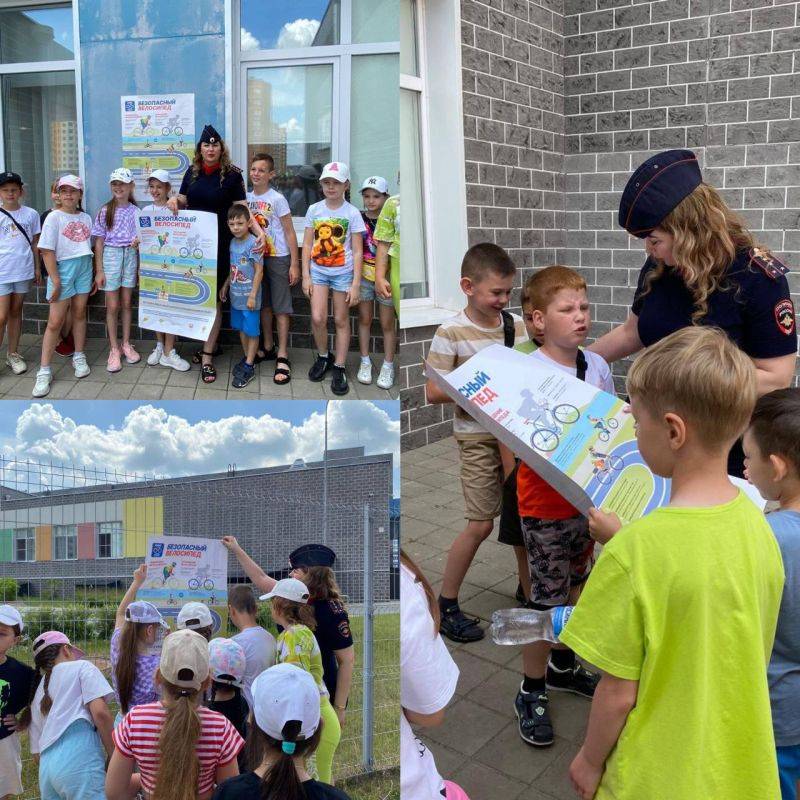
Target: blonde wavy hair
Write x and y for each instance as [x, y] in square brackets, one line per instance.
[225, 163]
[707, 235]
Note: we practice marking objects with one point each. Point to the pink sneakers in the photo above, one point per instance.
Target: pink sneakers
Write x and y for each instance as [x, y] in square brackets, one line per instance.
[131, 356]
[114, 361]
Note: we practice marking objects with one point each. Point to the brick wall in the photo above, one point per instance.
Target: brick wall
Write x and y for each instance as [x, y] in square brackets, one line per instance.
[721, 77]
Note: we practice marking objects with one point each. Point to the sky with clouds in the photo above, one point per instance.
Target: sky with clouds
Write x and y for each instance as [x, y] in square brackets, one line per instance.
[194, 437]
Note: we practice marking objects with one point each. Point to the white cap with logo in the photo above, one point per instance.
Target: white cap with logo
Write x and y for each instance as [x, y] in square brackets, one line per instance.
[377, 183]
[288, 589]
[121, 174]
[283, 694]
[337, 170]
[194, 615]
[10, 616]
[159, 175]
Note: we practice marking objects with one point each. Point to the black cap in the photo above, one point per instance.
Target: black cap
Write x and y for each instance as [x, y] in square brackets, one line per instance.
[210, 135]
[656, 188]
[10, 177]
[312, 555]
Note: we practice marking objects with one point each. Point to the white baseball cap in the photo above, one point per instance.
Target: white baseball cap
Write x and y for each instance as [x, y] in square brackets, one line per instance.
[288, 589]
[121, 174]
[159, 175]
[194, 615]
[10, 616]
[377, 183]
[70, 180]
[286, 693]
[184, 659]
[144, 613]
[337, 170]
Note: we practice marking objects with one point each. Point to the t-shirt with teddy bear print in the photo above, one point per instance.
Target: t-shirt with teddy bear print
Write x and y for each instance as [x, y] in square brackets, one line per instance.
[334, 229]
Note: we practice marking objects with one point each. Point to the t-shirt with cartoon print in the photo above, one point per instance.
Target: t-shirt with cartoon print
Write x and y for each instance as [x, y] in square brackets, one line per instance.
[268, 208]
[370, 248]
[333, 236]
[297, 645]
[16, 256]
[16, 679]
[243, 271]
[68, 235]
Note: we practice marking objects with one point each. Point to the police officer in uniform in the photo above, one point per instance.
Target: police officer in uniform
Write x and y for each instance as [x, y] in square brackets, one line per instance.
[213, 184]
[703, 267]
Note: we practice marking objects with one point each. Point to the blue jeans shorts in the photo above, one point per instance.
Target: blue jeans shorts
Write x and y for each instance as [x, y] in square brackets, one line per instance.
[246, 321]
[368, 293]
[15, 287]
[789, 770]
[120, 265]
[339, 283]
[73, 767]
[76, 277]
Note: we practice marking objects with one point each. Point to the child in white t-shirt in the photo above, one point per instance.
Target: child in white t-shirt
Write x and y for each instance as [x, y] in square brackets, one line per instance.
[281, 271]
[66, 250]
[68, 720]
[332, 260]
[19, 263]
[164, 353]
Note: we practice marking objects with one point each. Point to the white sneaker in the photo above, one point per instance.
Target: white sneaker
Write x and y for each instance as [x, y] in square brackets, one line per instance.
[157, 354]
[175, 361]
[17, 363]
[43, 380]
[386, 377]
[80, 365]
[365, 372]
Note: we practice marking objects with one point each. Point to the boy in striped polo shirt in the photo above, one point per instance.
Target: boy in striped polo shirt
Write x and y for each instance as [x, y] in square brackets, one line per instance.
[487, 277]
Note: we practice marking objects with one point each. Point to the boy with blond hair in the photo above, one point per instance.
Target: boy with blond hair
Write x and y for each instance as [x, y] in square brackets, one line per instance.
[681, 607]
[487, 277]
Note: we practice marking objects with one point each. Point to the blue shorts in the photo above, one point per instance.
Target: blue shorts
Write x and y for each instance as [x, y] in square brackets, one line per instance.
[120, 265]
[368, 293]
[74, 765]
[76, 277]
[339, 283]
[15, 287]
[789, 770]
[246, 321]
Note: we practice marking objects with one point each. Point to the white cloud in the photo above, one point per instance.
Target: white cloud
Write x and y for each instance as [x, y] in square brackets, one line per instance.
[154, 442]
[299, 33]
[248, 41]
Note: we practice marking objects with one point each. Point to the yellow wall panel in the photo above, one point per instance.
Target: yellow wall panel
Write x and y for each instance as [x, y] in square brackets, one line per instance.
[44, 542]
[141, 517]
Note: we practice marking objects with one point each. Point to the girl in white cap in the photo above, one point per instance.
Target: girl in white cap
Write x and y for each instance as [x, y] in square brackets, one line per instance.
[286, 732]
[164, 353]
[181, 748]
[117, 261]
[296, 645]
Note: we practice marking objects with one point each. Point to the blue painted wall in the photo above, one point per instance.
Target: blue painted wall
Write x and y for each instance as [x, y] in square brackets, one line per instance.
[145, 47]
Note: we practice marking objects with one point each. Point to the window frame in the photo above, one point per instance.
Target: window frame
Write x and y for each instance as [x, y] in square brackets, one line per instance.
[117, 531]
[30, 544]
[57, 534]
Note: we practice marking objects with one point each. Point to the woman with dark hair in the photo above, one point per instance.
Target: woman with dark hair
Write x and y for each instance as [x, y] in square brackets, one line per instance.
[703, 268]
[213, 183]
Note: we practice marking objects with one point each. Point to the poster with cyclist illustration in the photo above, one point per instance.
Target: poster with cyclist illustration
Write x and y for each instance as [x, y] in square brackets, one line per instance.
[177, 272]
[580, 439]
[157, 133]
[185, 569]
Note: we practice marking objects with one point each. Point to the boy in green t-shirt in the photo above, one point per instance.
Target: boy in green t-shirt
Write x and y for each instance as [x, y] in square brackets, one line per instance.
[680, 609]
[387, 257]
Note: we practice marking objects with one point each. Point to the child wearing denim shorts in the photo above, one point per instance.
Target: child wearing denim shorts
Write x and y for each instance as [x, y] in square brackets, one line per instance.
[66, 251]
[332, 259]
[374, 193]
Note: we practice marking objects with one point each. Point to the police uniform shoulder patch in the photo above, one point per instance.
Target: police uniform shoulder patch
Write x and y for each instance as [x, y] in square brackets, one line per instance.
[336, 606]
[344, 629]
[767, 263]
[784, 316]
[234, 168]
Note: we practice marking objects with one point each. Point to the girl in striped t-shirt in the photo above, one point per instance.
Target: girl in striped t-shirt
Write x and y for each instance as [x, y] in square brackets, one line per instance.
[181, 748]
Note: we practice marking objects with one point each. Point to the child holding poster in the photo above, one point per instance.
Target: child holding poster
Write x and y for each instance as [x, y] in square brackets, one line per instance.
[117, 261]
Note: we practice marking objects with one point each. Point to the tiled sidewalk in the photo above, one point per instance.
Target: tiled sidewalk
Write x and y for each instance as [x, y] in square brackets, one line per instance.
[142, 382]
[478, 745]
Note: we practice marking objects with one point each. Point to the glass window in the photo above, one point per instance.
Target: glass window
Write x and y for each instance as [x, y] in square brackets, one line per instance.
[25, 544]
[110, 541]
[374, 128]
[289, 115]
[408, 39]
[274, 25]
[375, 21]
[65, 542]
[414, 273]
[40, 130]
[36, 34]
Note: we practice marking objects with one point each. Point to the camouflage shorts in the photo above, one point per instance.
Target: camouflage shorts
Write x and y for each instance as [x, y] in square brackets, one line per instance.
[560, 556]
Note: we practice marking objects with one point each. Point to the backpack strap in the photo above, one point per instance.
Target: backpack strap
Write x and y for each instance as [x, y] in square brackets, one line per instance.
[509, 333]
[19, 228]
[581, 366]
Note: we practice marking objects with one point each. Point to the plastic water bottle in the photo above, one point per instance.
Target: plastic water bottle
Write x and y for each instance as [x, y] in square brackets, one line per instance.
[525, 625]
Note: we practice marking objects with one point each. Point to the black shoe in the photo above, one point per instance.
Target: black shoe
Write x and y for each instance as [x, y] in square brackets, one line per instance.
[533, 717]
[238, 366]
[459, 628]
[576, 680]
[520, 595]
[269, 355]
[339, 381]
[320, 367]
[244, 376]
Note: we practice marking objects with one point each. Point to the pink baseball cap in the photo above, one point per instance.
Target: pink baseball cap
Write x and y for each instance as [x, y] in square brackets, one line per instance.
[70, 180]
[55, 637]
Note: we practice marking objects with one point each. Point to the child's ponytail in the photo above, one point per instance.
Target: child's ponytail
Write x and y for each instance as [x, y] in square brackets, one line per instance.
[125, 668]
[44, 661]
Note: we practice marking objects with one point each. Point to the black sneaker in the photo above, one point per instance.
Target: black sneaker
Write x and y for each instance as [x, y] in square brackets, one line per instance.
[520, 595]
[244, 376]
[237, 367]
[459, 628]
[320, 367]
[576, 680]
[535, 727]
[339, 381]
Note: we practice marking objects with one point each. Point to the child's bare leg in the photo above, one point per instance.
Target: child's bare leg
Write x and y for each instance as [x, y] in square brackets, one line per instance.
[250, 348]
[523, 570]
[282, 322]
[112, 315]
[365, 312]
[319, 317]
[389, 328]
[66, 328]
[14, 322]
[534, 658]
[78, 307]
[52, 333]
[243, 342]
[266, 328]
[5, 314]
[341, 320]
[127, 313]
[462, 551]
[168, 340]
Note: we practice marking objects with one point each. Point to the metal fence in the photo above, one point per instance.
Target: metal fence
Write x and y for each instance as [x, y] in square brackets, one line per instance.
[71, 537]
